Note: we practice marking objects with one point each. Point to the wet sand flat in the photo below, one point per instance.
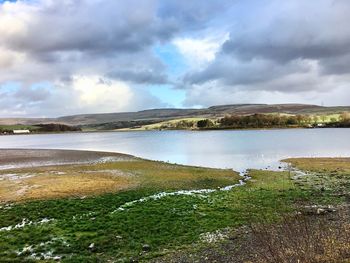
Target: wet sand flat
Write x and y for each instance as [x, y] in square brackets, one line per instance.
[46, 174]
[21, 158]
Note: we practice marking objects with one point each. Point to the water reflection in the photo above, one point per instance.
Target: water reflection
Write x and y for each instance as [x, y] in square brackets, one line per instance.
[223, 149]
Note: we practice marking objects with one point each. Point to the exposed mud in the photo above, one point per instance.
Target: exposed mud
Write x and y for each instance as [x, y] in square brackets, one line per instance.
[23, 158]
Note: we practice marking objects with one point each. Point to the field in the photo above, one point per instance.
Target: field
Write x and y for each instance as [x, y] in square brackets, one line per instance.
[139, 210]
[169, 124]
[191, 123]
[80, 180]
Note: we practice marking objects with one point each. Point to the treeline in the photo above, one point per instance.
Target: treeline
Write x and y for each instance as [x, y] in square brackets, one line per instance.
[344, 121]
[265, 121]
[256, 121]
[56, 127]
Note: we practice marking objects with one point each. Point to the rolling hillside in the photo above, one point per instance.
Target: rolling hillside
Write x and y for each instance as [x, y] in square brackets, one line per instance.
[157, 115]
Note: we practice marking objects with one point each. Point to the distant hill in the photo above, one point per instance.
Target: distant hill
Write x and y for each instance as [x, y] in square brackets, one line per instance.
[154, 115]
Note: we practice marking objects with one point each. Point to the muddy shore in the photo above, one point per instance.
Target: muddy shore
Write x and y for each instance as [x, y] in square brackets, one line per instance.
[22, 158]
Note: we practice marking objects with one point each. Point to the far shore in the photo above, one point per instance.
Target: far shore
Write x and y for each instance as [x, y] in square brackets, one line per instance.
[165, 130]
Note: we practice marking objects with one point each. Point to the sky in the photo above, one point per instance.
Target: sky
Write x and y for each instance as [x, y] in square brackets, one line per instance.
[93, 56]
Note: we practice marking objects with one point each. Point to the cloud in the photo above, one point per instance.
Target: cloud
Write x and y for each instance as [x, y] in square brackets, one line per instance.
[230, 52]
[81, 94]
[62, 35]
[200, 51]
[101, 94]
[279, 48]
[56, 41]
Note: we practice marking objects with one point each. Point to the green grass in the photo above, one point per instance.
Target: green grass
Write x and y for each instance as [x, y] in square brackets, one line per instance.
[94, 179]
[166, 224]
[169, 124]
[169, 223]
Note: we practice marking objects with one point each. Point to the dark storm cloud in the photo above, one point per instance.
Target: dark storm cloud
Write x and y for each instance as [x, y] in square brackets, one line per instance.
[191, 15]
[296, 37]
[108, 26]
[140, 76]
[250, 72]
[67, 34]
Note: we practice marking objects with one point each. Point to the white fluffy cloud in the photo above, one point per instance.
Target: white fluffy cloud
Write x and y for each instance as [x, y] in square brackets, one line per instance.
[101, 95]
[81, 94]
[198, 52]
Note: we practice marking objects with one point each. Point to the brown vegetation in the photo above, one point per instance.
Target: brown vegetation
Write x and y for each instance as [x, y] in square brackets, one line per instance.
[307, 239]
[91, 179]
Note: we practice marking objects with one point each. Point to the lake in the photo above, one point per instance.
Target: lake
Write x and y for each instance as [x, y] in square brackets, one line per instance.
[238, 149]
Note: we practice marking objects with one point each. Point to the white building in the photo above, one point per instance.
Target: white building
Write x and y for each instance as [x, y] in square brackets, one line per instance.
[21, 131]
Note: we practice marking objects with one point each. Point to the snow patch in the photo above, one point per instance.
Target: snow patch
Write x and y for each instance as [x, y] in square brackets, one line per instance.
[196, 193]
[212, 237]
[25, 222]
[16, 177]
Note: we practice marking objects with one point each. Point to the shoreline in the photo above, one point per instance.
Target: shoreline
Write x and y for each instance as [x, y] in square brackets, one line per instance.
[13, 158]
[188, 130]
[27, 174]
[190, 211]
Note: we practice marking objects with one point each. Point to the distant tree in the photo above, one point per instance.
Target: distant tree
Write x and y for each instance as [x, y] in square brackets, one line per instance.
[262, 121]
[56, 127]
[206, 123]
[184, 124]
[292, 120]
[300, 119]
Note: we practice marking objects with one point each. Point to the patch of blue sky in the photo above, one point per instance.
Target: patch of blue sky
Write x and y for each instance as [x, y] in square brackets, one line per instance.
[3, 1]
[176, 67]
[170, 56]
[168, 95]
[10, 87]
[41, 85]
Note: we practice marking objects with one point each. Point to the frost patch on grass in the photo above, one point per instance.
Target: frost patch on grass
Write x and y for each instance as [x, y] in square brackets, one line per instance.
[196, 193]
[212, 237]
[48, 255]
[111, 159]
[25, 222]
[16, 177]
[58, 172]
[298, 174]
[230, 187]
[84, 216]
[6, 206]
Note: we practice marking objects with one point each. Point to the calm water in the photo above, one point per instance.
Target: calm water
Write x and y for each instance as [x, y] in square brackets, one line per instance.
[224, 149]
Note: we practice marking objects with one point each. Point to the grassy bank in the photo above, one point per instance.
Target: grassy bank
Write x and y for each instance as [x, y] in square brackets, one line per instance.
[167, 223]
[138, 223]
[304, 217]
[93, 179]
